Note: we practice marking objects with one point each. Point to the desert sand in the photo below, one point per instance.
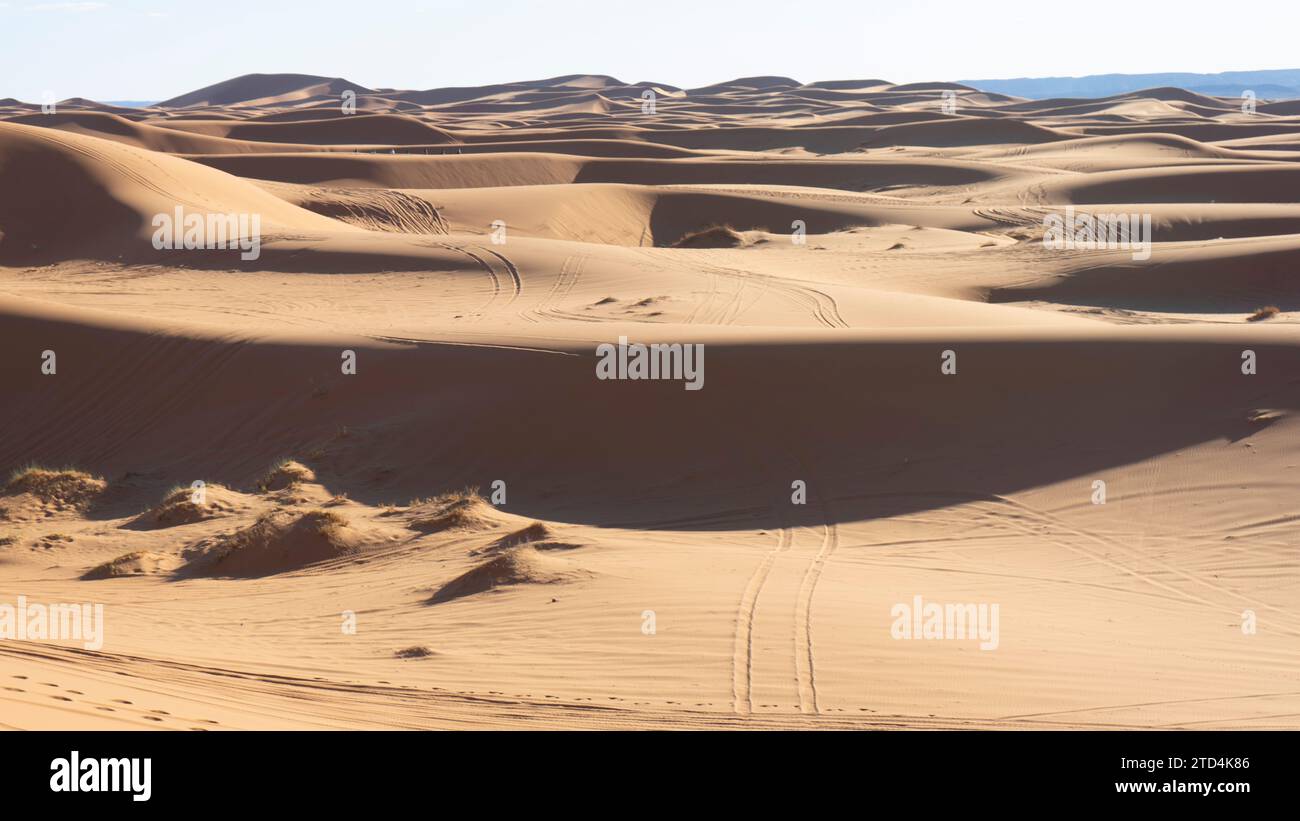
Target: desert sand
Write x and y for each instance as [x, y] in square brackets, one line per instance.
[468, 249]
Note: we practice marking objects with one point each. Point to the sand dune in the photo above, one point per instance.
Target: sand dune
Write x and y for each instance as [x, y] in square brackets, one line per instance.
[492, 170]
[370, 476]
[949, 133]
[361, 129]
[70, 196]
[264, 89]
[1253, 184]
[145, 135]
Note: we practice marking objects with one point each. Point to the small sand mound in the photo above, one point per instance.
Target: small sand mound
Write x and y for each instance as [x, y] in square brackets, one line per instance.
[465, 510]
[535, 532]
[61, 488]
[521, 566]
[179, 507]
[537, 535]
[286, 474]
[715, 236]
[276, 543]
[140, 563]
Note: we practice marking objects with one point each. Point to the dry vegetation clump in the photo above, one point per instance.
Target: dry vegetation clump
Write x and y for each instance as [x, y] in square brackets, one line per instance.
[178, 507]
[286, 474]
[138, 563]
[460, 510]
[66, 488]
[416, 652]
[277, 542]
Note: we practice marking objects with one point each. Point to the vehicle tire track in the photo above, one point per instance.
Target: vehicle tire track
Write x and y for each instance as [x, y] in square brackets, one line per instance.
[1111, 544]
[742, 663]
[567, 277]
[515, 278]
[708, 299]
[491, 272]
[805, 669]
[820, 304]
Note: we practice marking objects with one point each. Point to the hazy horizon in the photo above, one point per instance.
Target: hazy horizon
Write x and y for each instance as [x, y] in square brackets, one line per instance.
[124, 51]
[986, 83]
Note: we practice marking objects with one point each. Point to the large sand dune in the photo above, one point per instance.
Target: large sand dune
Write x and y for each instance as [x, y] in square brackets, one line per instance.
[831, 246]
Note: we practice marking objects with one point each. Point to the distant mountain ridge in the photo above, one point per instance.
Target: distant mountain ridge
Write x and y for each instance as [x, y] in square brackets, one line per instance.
[1272, 84]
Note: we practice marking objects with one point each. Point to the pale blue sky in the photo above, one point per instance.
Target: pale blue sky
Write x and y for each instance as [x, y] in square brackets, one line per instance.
[152, 50]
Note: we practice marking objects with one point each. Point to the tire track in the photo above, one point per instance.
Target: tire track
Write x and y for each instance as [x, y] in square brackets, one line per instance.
[515, 278]
[570, 270]
[820, 304]
[1108, 543]
[742, 664]
[800, 626]
[1007, 217]
[708, 299]
[534, 313]
[491, 272]
[805, 669]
